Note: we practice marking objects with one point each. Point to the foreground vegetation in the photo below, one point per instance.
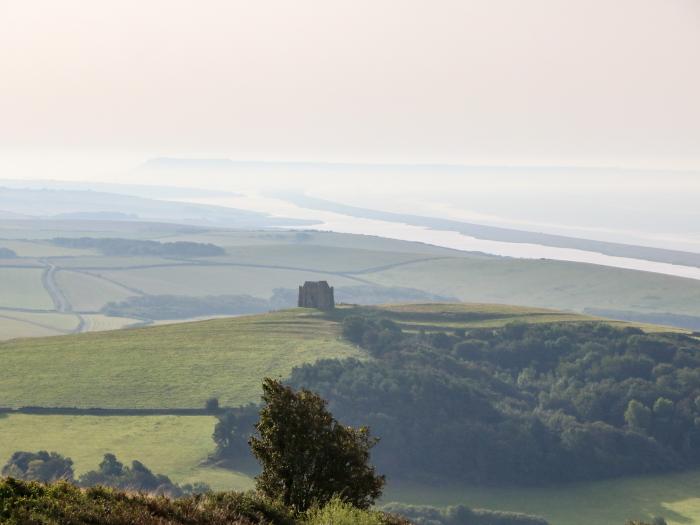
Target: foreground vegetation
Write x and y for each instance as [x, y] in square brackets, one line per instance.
[64, 504]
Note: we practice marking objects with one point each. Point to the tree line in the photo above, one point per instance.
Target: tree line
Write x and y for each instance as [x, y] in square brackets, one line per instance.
[136, 247]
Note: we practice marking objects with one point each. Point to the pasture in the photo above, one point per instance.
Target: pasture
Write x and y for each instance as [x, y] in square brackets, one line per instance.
[169, 366]
[22, 288]
[173, 445]
[676, 497]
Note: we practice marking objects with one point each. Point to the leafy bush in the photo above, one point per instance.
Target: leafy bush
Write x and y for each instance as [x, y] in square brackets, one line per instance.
[65, 504]
[337, 512]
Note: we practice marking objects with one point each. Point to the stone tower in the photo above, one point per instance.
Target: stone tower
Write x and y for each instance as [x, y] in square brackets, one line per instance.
[316, 294]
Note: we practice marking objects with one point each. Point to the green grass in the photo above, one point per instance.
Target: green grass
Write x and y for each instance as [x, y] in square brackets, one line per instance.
[612, 502]
[168, 366]
[174, 445]
[449, 317]
[87, 293]
[549, 284]
[22, 288]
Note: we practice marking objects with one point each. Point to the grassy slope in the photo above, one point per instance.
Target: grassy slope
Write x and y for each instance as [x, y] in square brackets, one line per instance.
[549, 284]
[181, 365]
[165, 366]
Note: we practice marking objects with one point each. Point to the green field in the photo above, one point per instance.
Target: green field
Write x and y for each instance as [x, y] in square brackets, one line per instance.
[549, 284]
[176, 445]
[165, 366]
[22, 288]
[676, 497]
[87, 292]
[200, 280]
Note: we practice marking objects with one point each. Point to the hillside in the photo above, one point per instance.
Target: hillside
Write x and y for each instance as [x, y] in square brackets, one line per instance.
[170, 366]
[107, 280]
[181, 365]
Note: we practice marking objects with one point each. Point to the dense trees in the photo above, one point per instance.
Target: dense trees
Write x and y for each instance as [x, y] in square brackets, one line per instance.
[523, 404]
[307, 457]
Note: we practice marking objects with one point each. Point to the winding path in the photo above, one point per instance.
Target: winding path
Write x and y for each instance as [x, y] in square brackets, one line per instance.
[60, 301]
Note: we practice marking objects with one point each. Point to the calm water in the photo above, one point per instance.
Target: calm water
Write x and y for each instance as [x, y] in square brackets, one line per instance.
[449, 239]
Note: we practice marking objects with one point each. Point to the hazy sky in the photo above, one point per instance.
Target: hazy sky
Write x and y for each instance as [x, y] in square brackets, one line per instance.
[596, 82]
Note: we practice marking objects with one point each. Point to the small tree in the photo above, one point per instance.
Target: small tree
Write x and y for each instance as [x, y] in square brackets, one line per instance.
[39, 466]
[307, 456]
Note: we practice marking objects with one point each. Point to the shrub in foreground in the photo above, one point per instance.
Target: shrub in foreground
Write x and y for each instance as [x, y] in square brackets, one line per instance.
[62, 503]
[28, 502]
[337, 512]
